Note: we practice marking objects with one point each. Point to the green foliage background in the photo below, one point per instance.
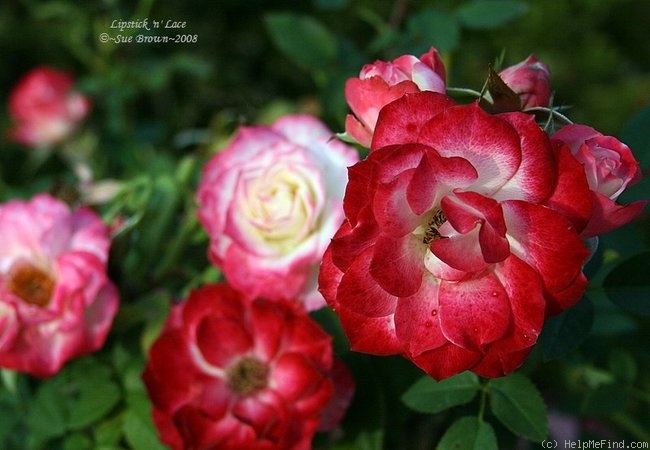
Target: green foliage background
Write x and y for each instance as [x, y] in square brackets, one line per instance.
[160, 110]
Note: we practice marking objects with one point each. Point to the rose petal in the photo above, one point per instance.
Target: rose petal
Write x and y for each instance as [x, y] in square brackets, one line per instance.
[395, 127]
[475, 312]
[489, 143]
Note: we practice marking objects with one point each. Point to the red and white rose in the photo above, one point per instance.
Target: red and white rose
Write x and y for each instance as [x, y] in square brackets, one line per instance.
[270, 202]
[56, 301]
[45, 107]
[610, 168]
[462, 235]
[382, 82]
[233, 373]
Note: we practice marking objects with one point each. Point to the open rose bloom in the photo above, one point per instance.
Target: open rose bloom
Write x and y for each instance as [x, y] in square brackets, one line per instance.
[45, 107]
[56, 302]
[463, 233]
[270, 202]
[382, 82]
[233, 373]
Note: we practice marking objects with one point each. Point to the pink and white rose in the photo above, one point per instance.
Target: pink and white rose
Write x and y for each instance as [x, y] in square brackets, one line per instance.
[530, 79]
[270, 202]
[56, 301]
[45, 107]
[610, 168]
[382, 82]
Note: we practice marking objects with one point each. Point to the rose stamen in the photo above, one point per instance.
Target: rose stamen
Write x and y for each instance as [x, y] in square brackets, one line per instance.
[30, 283]
[432, 233]
[248, 376]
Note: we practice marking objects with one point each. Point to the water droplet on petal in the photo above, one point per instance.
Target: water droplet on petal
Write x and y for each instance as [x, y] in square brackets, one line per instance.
[475, 330]
[428, 324]
[434, 312]
[495, 293]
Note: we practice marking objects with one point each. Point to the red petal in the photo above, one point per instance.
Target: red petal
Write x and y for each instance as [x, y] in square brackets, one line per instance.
[219, 340]
[360, 292]
[268, 323]
[390, 208]
[537, 173]
[498, 362]
[474, 312]
[329, 279]
[357, 194]
[294, 376]
[459, 251]
[366, 97]
[417, 322]
[357, 130]
[398, 264]
[467, 209]
[374, 335]
[436, 177]
[571, 197]
[400, 122]
[546, 241]
[609, 215]
[446, 361]
[489, 143]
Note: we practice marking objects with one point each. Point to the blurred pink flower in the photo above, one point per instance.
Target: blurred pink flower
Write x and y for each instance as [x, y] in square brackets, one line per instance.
[45, 107]
[270, 202]
[56, 302]
[233, 373]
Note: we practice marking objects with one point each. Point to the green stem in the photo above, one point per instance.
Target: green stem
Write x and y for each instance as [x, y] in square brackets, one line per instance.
[483, 401]
[552, 112]
[466, 91]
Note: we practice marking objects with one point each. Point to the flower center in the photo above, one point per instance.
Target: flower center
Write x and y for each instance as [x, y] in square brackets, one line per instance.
[248, 375]
[33, 285]
[432, 233]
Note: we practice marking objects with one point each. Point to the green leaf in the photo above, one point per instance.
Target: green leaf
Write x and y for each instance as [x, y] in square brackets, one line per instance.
[109, 432]
[564, 332]
[430, 396]
[140, 433]
[628, 285]
[486, 14]
[93, 394]
[468, 433]
[517, 403]
[302, 39]
[47, 415]
[77, 441]
[431, 27]
[95, 401]
[369, 440]
[137, 424]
